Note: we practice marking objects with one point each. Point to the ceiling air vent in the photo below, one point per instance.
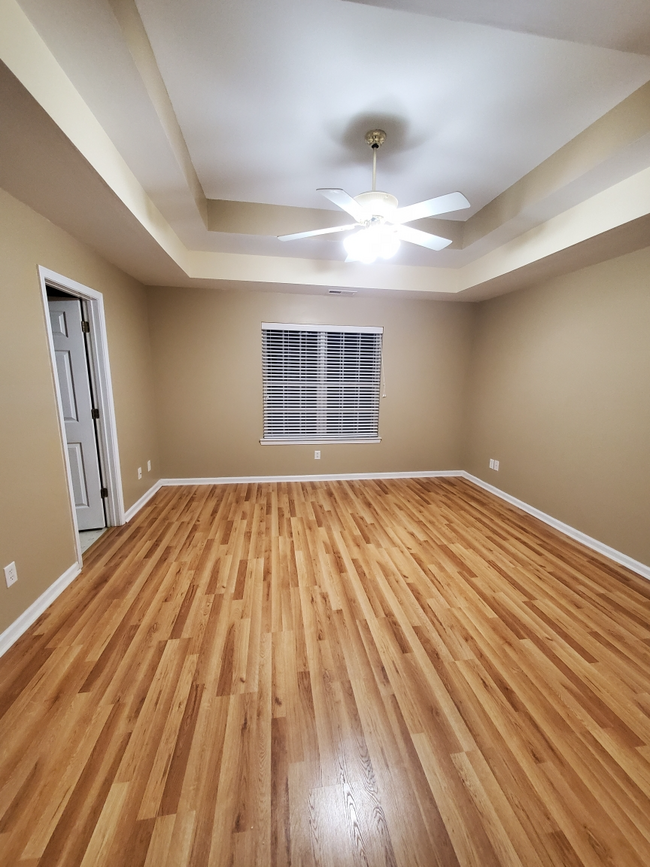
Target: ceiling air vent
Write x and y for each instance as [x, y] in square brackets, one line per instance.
[342, 291]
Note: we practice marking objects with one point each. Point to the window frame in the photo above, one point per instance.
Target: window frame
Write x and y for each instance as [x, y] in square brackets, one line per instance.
[373, 385]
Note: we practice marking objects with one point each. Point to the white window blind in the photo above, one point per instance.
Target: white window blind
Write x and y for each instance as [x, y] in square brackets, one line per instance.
[321, 383]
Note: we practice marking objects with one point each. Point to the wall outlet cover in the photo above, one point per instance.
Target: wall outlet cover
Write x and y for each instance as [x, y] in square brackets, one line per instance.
[11, 574]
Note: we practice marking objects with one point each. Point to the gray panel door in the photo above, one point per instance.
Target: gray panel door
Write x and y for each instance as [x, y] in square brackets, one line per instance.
[74, 385]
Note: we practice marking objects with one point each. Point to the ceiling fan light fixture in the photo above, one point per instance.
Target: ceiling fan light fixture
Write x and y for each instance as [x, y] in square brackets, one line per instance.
[389, 243]
[371, 243]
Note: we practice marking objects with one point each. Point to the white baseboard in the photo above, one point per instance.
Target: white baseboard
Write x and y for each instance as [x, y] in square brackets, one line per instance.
[571, 532]
[144, 499]
[31, 614]
[323, 477]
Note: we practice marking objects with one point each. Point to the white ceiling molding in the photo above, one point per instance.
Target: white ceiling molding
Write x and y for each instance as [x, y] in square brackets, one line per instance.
[28, 58]
[135, 36]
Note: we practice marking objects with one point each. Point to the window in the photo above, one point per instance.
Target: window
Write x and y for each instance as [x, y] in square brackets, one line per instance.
[322, 383]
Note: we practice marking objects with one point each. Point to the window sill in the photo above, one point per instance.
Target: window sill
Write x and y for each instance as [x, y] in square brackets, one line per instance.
[317, 442]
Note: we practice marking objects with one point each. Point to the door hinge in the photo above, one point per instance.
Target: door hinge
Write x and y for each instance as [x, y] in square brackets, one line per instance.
[104, 493]
[94, 413]
[85, 326]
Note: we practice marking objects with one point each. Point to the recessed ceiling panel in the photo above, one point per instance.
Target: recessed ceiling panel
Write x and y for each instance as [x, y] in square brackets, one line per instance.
[274, 98]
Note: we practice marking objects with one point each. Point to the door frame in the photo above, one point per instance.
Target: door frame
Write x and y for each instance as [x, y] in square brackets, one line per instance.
[100, 373]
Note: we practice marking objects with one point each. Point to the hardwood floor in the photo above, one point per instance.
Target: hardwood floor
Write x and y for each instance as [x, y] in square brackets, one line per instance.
[389, 673]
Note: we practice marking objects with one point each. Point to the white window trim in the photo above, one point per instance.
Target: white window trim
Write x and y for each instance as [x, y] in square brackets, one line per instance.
[338, 329]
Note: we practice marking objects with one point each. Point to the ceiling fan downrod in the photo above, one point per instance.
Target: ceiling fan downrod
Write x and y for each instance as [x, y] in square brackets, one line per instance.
[375, 138]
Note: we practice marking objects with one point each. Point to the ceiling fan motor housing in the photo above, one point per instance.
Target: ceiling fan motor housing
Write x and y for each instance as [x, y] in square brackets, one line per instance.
[377, 205]
[375, 138]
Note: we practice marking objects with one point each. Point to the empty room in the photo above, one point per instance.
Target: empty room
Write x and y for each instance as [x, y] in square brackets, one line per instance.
[325, 425]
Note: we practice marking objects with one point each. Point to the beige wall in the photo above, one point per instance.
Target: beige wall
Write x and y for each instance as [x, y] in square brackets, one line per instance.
[553, 381]
[560, 395]
[207, 351]
[35, 519]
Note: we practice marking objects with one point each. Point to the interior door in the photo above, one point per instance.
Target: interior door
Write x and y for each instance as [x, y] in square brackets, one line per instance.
[74, 385]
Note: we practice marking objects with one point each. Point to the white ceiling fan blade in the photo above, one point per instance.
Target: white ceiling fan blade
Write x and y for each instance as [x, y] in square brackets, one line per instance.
[312, 234]
[424, 239]
[431, 207]
[345, 202]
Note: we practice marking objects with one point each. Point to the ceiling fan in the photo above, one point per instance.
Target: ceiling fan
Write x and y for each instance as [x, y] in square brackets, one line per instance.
[380, 223]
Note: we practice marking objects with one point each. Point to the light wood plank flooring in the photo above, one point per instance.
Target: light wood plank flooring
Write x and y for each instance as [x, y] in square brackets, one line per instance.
[402, 673]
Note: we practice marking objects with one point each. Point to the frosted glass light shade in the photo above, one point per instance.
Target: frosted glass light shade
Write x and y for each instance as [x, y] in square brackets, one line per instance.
[372, 243]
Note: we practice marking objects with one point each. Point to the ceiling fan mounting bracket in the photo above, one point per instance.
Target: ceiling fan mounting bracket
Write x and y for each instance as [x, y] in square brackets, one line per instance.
[375, 138]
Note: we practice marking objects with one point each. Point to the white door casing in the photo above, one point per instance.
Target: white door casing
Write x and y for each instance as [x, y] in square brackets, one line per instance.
[76, 406]
[99, 363]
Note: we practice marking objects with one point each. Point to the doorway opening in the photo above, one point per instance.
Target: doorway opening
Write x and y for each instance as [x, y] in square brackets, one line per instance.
[76, 332]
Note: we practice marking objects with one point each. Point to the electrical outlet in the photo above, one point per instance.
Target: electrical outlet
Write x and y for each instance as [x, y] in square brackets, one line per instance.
[11, 574]
[317, 455]
[139, 472]
[148, 466]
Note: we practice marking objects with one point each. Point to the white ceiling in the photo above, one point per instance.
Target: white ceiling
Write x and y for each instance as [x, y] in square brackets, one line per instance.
[273, 97]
